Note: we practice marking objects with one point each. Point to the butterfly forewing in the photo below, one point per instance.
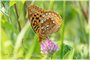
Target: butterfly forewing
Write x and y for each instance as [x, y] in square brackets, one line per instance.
[35, 15]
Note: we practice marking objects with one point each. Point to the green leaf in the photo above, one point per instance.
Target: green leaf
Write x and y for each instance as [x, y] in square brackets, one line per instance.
[69, 55]
[12, 3]
[20, 52]
[29, 54]
[20, 38]
[23, 1]
[66, 48]
[6, 45]
[51, 5]
[8, 26]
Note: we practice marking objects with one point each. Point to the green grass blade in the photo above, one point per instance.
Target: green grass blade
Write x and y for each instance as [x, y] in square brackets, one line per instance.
[69, 55]
[62, 33]
[29, 54]
[20, 38]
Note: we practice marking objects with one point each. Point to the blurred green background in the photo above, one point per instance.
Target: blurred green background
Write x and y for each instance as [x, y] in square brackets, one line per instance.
[18, 40]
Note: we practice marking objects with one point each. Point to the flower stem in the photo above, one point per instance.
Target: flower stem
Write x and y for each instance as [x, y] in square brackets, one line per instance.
[51, 57]
[62, 33]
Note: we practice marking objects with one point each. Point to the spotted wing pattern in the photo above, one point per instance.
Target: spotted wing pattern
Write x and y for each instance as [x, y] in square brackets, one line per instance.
[43, 22]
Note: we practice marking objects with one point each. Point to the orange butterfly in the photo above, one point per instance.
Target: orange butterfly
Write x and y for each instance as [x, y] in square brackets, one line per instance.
[43, 22]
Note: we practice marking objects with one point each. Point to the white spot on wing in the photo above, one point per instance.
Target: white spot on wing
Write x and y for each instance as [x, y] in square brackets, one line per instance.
[49, 13]
[53, 21]
[43, 15]
[47, 26]
[42, 21]
[46, 13]
[42, 27]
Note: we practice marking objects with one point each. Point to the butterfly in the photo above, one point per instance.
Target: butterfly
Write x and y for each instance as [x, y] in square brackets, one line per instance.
[43, 22]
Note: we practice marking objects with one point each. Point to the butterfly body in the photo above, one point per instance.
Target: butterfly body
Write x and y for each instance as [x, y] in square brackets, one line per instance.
[43, 22]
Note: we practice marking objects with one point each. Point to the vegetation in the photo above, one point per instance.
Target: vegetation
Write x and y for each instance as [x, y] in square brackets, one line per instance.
[18, 40]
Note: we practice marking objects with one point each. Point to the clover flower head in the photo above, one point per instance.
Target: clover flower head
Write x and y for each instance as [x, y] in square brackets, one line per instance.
[48, 46]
